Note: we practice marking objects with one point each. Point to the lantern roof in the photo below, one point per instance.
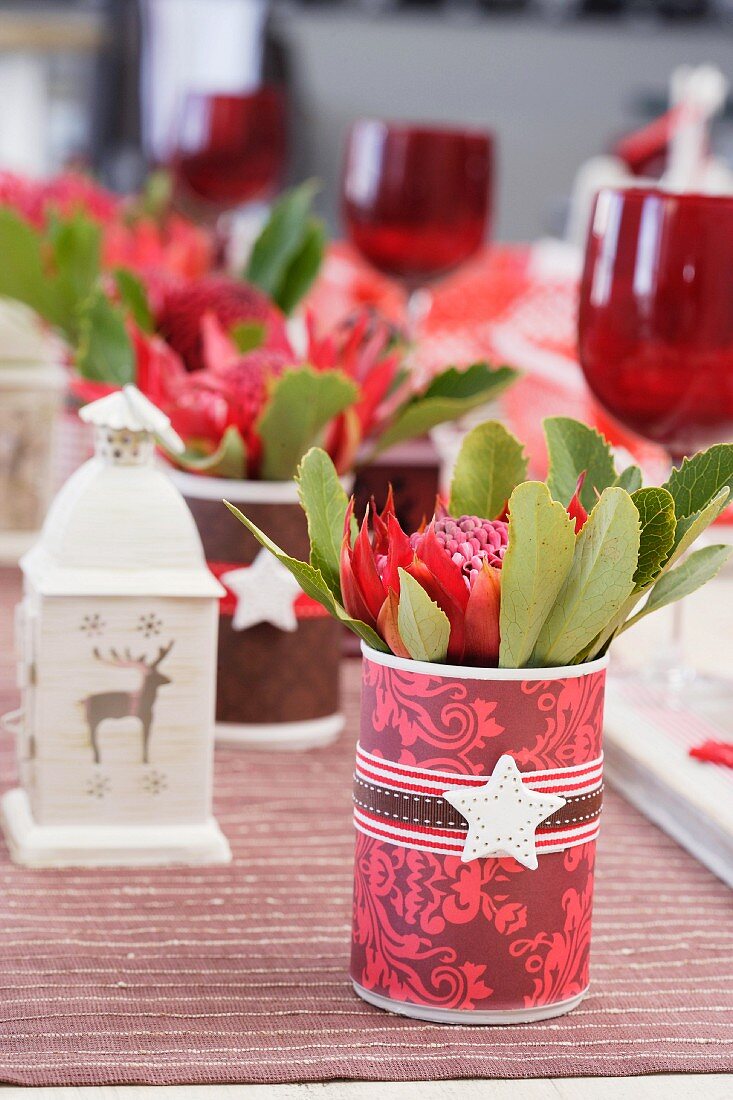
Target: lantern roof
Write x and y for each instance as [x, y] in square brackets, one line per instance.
[130, 410]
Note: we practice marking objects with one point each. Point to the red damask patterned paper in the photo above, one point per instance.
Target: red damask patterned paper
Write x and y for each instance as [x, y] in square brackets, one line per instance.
[487, 935]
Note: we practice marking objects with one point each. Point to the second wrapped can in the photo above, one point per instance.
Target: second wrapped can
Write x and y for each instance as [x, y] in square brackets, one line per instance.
[278, 664]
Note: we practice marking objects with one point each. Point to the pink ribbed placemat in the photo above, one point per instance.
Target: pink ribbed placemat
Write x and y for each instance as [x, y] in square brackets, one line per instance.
[239, 974]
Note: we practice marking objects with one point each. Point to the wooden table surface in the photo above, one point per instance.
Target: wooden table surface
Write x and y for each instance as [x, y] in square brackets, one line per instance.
[710, 639]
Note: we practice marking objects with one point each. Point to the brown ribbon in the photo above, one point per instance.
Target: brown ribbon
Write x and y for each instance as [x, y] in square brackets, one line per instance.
[410, 808]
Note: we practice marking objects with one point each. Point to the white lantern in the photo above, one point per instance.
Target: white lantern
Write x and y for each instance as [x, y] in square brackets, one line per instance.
[117, 636]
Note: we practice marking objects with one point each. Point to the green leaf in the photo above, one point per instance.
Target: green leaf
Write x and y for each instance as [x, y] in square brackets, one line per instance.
[303, 269]
[301, 404]
[23, 273]
[694, 487]
[104, 353]
[601, 578]
[699, 479]
[469, 382]
[53, 274]
[656, 514]
[536, 564]
[448, 397]
[247, 335]
[629, 479]
[313, 584]
[281, 238]
[490, 465]
[135, 299]
[691, 527]
[157, 194]
[573, 447]
[695, 525]
[423, 627]
[76, 246]
[700, 567]
[324, 503]
[228, 460]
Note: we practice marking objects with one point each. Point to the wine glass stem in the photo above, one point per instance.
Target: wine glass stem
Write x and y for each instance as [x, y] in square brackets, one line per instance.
[672, 666]
[419, 301]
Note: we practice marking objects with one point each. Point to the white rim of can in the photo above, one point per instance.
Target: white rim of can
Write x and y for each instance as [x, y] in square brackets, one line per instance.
[470, 672]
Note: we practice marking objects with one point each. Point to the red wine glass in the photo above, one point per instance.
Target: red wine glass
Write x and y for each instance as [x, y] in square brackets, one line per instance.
[656, 324]
[229, 149]
[416, 200]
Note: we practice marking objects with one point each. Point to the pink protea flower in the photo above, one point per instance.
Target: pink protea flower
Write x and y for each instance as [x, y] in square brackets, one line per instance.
[457, 561]
[451, 559]
[230, 390]
[75, 192]
[63, 195]
[362, 348]
[230, 301]
[154, 248]
[169, 249]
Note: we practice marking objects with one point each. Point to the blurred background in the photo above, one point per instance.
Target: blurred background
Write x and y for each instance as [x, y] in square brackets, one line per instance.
[101, 83]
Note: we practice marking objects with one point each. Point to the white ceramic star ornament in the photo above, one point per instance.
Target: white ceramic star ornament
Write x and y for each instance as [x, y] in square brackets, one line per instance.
[265, 592]
[503, 815]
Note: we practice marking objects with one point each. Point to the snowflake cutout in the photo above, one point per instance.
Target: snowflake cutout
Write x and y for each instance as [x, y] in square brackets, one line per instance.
[92, 625]
[149, 625]
[155, 782]
[98, 787]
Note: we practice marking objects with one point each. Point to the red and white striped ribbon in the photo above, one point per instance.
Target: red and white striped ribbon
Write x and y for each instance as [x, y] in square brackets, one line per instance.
[409, 784]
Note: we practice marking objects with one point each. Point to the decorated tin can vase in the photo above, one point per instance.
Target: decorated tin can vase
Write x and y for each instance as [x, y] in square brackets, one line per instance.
[477, 798]
[278, 670]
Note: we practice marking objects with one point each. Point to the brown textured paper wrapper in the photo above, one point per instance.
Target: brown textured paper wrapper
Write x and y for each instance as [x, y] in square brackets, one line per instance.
[266, 675]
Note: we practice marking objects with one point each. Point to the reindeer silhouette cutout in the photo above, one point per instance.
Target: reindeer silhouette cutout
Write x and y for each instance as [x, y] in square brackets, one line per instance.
[124, 704]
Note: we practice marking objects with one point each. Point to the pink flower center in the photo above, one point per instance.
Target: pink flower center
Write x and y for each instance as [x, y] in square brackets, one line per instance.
[470, 541]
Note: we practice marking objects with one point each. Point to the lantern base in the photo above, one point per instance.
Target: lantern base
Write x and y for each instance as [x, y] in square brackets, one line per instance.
[281, 736]
[458, 1016]
[34, 845]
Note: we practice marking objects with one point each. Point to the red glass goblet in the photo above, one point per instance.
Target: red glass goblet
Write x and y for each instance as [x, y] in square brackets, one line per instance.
[656, 323]
[229, 149]
[416, 199]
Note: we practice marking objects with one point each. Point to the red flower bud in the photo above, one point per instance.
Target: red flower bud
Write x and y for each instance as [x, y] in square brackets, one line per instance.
[399, 553]
[365, 570]
[366, 573]
[447, 574]
[482, 618]
[447, 604]
[575, 509]
[351, 594]
[388, 627]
